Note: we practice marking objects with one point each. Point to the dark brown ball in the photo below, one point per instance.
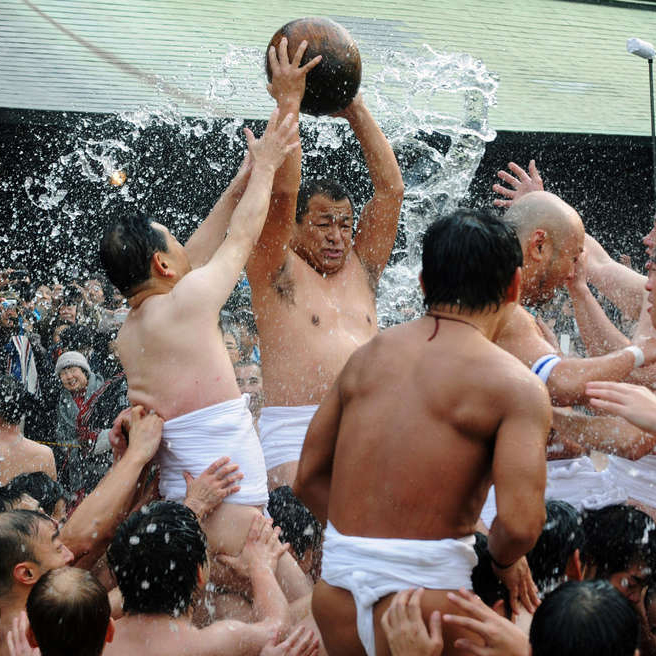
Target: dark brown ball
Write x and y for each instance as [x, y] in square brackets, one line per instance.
[332, 85]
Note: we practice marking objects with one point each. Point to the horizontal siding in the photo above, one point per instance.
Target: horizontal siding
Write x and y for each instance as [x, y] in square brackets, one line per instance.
[562, 66]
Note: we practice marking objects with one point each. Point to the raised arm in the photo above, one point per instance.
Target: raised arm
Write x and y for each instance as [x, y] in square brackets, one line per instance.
[94, 522]
[519, 474]
[212, 231]
[286, 88]
[379, 219]
[623, 287]
[599, 334]
[312, 484]
[208, 287]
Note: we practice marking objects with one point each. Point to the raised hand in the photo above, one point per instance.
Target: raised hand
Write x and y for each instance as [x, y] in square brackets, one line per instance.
[207, 491]
[288, 78]
[262, 549]
[405, 629]
[579, 279]
[634, 403]
[523, 184]
[17, 644]
[521, 588]
[502, 638]
[300, 643]
[276, 143]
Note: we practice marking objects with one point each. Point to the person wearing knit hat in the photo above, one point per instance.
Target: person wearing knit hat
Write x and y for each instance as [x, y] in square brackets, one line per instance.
[72, 359]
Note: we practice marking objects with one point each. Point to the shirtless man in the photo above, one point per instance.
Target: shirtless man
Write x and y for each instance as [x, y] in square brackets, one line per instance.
[313, 282]
[170, 346]
[157, 618]
[19, 455]
[405, 445]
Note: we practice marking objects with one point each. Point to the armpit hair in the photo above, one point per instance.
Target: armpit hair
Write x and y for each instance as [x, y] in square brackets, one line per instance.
[284, 285]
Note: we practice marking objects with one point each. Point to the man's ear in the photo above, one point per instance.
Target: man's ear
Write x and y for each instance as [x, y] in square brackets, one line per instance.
[25, 573]
[573, 569]
[29, 634]
[159, 265]
[515, 286]
[536, 245]
[111, 628]
[421, 283]
[200, 576]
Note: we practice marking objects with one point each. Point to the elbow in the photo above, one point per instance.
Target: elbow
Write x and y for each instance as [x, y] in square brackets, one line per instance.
[523, 529]
[565, 388]
[637, 446]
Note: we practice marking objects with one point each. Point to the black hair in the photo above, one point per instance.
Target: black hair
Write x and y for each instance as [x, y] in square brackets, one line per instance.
[298, 525]
[69, 613]
[469, 259]
[561, 536]
[76, 337]
[40, 487]
[13, 400]
[18, 528]
[155, 556]
[484, 581]
[585, 618]
[616, 538]
[126, 249]
[319, 186]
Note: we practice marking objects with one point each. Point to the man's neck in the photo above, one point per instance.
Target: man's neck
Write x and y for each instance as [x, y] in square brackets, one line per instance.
[12, 603]
[10, 433]
[153, 288]
[485, 322]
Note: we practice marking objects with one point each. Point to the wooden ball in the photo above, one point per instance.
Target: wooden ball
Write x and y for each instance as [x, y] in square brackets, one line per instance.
[332, 85]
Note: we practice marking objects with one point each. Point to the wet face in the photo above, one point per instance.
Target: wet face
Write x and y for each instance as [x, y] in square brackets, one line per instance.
[632, 582]
[649, 240]
[73, 379]
[325, 236]
[651, 288]
[49, 551]
[176, 256]
[43, 297]
[232, 348]
[68, 313]
[8, 315]
[249, 380]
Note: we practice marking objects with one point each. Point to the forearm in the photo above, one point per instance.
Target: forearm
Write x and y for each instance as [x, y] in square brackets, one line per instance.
[509, 541]
[569, 377]
[383, 168]
[288, 177]
[599, 334]
[94, 521]
[269, 601]
[608, 434]
[211, 232]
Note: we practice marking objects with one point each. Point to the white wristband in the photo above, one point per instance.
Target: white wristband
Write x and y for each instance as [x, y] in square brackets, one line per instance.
[638, 355]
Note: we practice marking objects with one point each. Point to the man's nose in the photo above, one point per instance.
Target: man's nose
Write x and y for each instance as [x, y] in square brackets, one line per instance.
[334, 234]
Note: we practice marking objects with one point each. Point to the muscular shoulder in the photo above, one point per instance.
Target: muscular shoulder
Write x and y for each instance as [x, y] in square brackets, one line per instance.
[521, 336]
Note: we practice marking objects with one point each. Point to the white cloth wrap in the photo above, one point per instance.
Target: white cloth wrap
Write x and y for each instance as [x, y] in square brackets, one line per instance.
[194, 441]
[636, 477]
[371, 568]
[573, 480]
[543, 367]
[282, 432]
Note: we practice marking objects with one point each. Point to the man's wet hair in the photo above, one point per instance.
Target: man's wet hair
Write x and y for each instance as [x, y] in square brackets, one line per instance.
[484, 581]
[76, 338]
[40, 487]
[616, 538]
[69, 613]
[13, 402]
[155, 556]
[469, 259]
[18, 528]
[319, 186]
[298, 525]
[585, 618]
[126, 249]
[561, 536]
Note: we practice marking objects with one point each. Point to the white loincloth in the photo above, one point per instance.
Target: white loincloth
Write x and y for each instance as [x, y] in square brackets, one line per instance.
[194, 441]
[636, 477]
[282, 432]
[372, 568]
[573, 480]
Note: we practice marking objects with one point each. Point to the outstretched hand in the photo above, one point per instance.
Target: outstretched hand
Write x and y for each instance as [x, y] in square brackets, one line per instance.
[524, 183]
[288, 78]
[502, 638]
[634, 403]
[207, 491]
[405, 629]
[276, 143]
[300, 643]
[521, 588]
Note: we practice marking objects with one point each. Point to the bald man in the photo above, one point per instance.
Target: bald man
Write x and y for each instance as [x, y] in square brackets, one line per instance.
[552, 236]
